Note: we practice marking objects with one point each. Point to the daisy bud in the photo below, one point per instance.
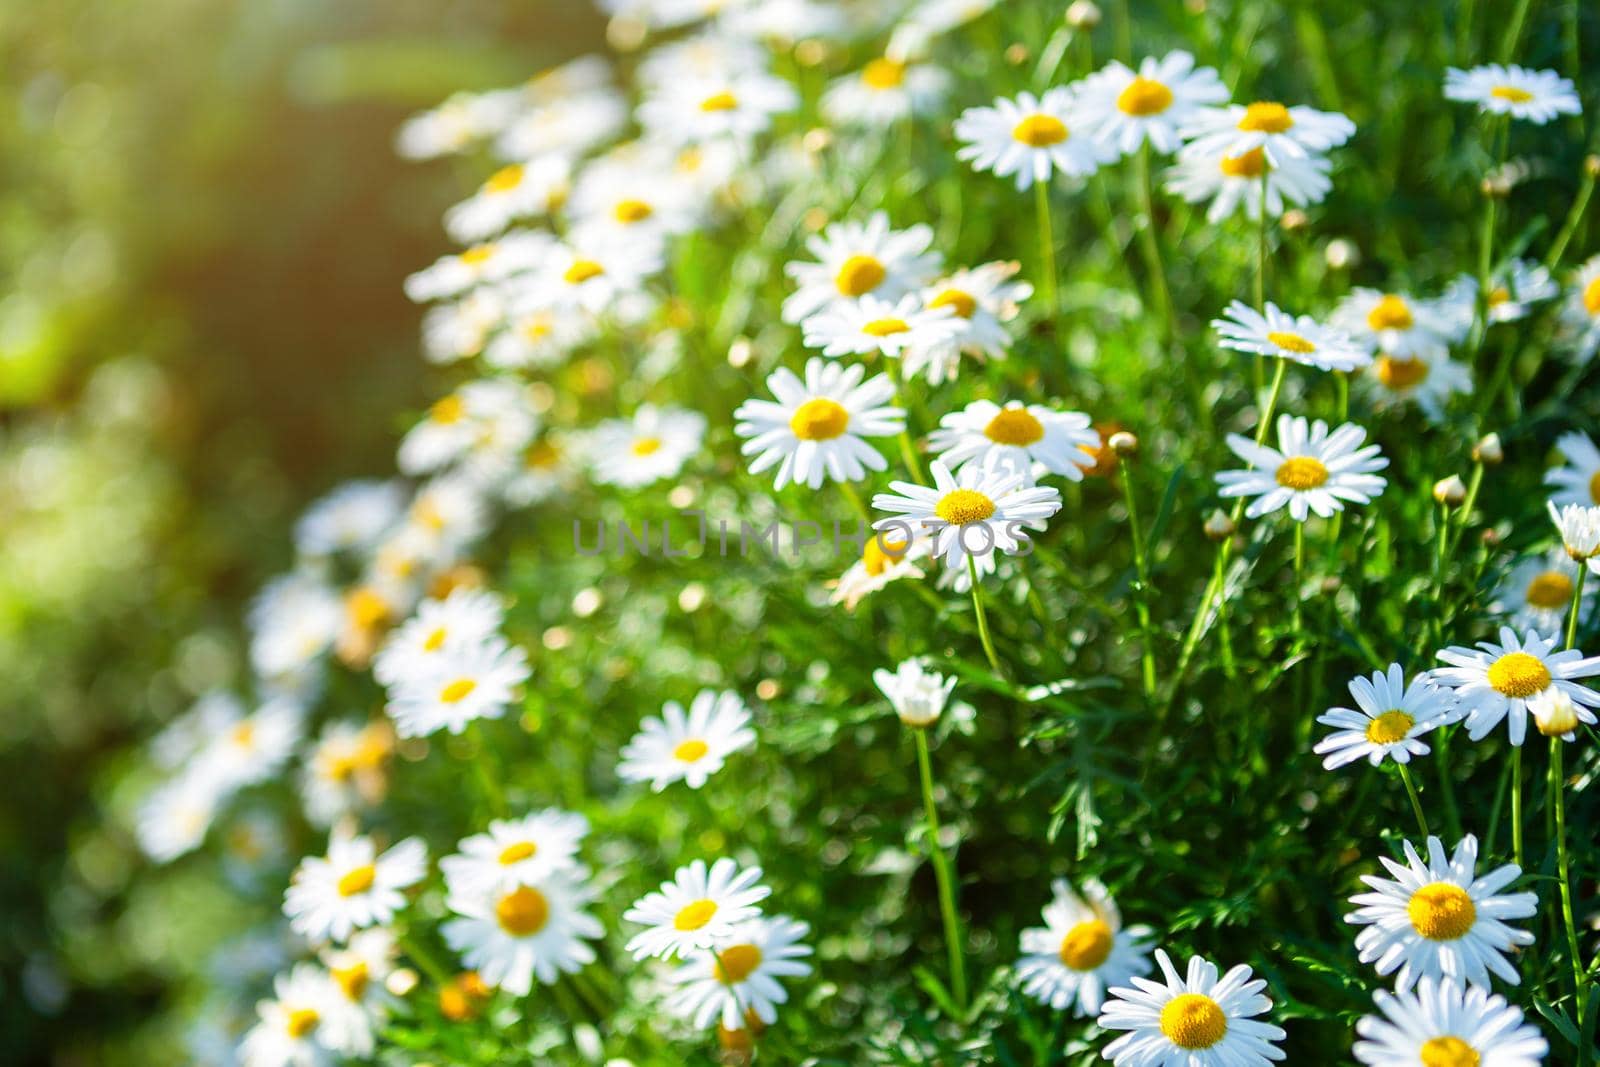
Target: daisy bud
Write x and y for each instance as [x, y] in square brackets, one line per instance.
[917, 694]
[1554, 713]
[740, 352]
[1579, 528]
[817, 140]
[1294, 219]
[737, 1047]
[401, 981]
[1451, 491]
[811, 53]
[1330, 585]
[626, 33]
[1496, 186]
[1591, 166]
[1488, 451]
[1219, 527]
[1083, 15]
[1123, 443]
[1341, 254]
[1017, 54]
[1491, 538]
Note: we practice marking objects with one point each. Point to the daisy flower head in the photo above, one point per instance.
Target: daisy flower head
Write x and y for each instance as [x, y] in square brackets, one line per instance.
[462, 121]
[696, 910]
[1427, 377]
[1576, 481]
[484, 416]
[885, 557]
[1231, 181]
[253, 747]
[294, 620]
[1194, 1019]
[1280, 132]
[531, 188]
[884, 92]
[1027, 438]
[460, 328]
[546, 469]
[511, 933]
[859, 259]
[1438, 919]
[1579, 527]
[175, 817]
[594, 269]
[488, 263]
[688, 747]
[1534, 95]
[1081, 950]
[1537, 593]
[358, 971]
[816, 429]
[742, 974]
[983, 300]
[632, 193]
[1127, 108]
[570, 124]
[1498, 679]
[1444, 1023]
[1556, 714]
[347, 770]
[652, 445]
[468, 682]
[1297, 338]
[351, 518]
[873, 325]
[538, 336]
[969, 515]
[1513, 290]
[303, 1025]
[1030, 137]
[1580, 314]
[917, 694]
[1311, 470]
[1399, 324]
[516, 851]
[1388, 720]
[352, 887]
[697, 109]
[464, 618]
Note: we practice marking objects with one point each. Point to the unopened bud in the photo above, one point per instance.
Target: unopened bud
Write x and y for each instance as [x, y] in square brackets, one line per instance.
[1218, 526]
[1488, 451]
[1496, 186]
[1554, 713]
[811, 52]
[816, 140]
[1123, 443]
[1341, 254]
[1450, 492]
[1294, 219]
[740, 352]
[1591, 165]
[1017, 54]
[1491, 538]
[626, 33]
[1330, 585]
[401, 981]
[1083, 15]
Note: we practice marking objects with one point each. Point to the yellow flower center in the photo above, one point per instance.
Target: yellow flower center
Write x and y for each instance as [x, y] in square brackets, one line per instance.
[885, 327]
[1290, 342]
[1390, 313]
[244, 735]
[435, 640]
[1511, 93]
[357, 881]
[457, 691]
[1040, 131]
[1441, 911]
[582, 270]
[819, 419]
[516, 853]
[504, 180]
[883, 74]
[1499, 295]
[881, 552]
[1594, 487]
[522, 912]
[1398, 373]
[1193, 1020]
[1517, 674]
[646, 446]
[478, 255]
[538, 327]
[1014, 426]
[1301, 473]
[447, 410]
[1144, 96]
[365, 607]
[302, 1021]
[1390, 727]
[723, 101]
[1549, 590]
[1448, 1052]
[1591, 297]
[690, 751]
[859, 275]
[961, 506]
[352, 980]
[1251, 164]
[963, 303]
[629, 212]
[1087, 945]
[1266, 117]
[694, 915]
[736, 963]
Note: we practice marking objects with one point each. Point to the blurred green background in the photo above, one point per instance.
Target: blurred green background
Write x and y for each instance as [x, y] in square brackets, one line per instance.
[203, 229]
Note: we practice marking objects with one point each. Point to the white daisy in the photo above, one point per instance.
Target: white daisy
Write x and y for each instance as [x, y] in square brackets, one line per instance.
[491, 415]
[1579, 527]
[1398, 324]
[1428, 377]
[174, 818]
[1029, 439]
[1232, 181]
[1311, 470]
[546, 470]
[708, 54]
[1192, 1020]
[884, 92]
[467, 682]
[346, 770]
[460, 329]
[254, 747]
[1556, 714]
[885, 557]
[816, 429]
[1580, 314]
[1388, 720]
[358, 970]
[539, 337]
[464, 618]
[1081, 950]
[1535, 95]
[696, 910]
[856, 259]
[352, 887]
[1438, 919]
[1127, 109]
[652, 445]
[447, 514]
[510, 934]
[1440, 1024]
[516, 851]
[873, 325]
[1496, 680]
[594, 269]
[1280, 132]
[741, 974]
[631, 192]
[975, 513]
[515, 191]
[917, 694]
[786, 21]
[1514, 288]
[351, 518]
[570, 125]
[739, 107]
[687, 747]
[1297, 338]
[983, 300]
[462, 121]
[1537, 593]
[1577, 481]
[293, 622]
[514, 253]
[301, 1025]
[1031, 137]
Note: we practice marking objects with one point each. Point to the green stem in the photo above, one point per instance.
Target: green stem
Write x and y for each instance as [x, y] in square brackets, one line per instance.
[1552, 258]
[1513, 36]
[1452, 814]
[1261, 246]
[425, 960]
[1516, 805]
[1047, 247]
[1577, 601]
[1150, 242]
[908, 451]
[1141, 595]
[1416, 800]
[1299, 573]
[983, 618]
[1557, 784]
[493, 798]
[942, 875]
[856, 502]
